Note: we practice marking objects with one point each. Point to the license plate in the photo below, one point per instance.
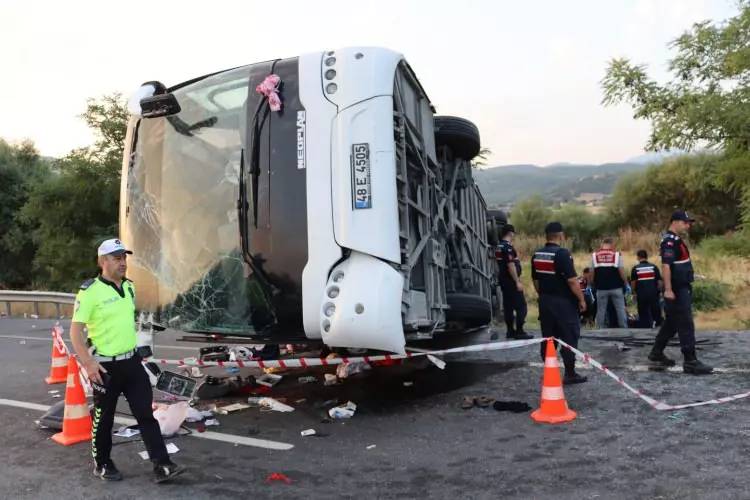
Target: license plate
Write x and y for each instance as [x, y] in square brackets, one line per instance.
[361, 190]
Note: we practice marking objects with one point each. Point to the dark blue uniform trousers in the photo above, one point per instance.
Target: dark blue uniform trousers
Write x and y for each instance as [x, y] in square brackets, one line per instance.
[649, 310]
[514, 307]
[678, 320]
[559, 318]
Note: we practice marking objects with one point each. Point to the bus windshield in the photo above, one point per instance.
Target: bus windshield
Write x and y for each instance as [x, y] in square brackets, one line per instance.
[181, 211]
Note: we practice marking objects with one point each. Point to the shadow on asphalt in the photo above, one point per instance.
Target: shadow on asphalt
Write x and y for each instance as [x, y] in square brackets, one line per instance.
[384, 389]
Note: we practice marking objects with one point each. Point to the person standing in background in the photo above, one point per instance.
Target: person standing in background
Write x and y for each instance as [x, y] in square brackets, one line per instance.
[646, 282]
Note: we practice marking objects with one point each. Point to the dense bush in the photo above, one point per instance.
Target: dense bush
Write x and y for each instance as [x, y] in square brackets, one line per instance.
[646, 199]
[583, 228]
[709, 295]
[530, 216]
[731, 244]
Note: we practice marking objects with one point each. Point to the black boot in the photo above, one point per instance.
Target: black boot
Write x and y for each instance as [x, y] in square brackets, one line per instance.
[573, 378]
[692, 366]
[520, 335]
[695, 367]
[509, 331]
[517, 334]
[660, 359]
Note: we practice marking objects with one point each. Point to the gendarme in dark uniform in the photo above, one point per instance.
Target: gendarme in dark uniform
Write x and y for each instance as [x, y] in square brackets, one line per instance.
[509, 278]
[677, 271]
[645, 278]
[560, 297]
[106, 306]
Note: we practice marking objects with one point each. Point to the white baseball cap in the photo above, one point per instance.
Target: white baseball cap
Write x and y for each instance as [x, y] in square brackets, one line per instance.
[113, 246]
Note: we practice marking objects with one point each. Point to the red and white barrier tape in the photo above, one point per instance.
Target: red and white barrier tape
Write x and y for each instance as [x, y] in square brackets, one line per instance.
[492, 346]
[59, 343]
[654, 403]
[305, 362]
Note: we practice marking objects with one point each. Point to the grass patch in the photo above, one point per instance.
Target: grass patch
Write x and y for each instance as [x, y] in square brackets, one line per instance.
[736, 244]
[709, 295]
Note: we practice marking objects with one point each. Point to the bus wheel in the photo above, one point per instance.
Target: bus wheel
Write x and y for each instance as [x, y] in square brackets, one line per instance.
[471, 310]
[459, 134]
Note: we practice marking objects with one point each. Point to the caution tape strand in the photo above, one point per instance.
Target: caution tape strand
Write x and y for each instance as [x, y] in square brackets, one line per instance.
[306, 362]
[491, 346]
[654, 403]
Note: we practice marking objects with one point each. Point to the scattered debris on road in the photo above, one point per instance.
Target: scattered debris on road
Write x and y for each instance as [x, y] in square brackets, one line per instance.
[512, 406]
[269, 379]
[345, 411]
[346, 370]
[223, 410]
[171, 449]
[274, 405]
[278, 476]
[126, 432]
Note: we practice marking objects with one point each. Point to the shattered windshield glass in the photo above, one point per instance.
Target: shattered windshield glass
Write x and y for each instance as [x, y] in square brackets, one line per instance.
[181, 211]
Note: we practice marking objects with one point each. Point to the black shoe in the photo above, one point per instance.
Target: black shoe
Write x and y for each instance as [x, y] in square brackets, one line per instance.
[166, 471]
[108, 472]
[519, 335]
[661, 359]
[695, 367]
[574, 379]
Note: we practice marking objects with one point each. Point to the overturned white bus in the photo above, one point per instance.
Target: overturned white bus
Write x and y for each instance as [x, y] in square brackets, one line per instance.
[323, 203]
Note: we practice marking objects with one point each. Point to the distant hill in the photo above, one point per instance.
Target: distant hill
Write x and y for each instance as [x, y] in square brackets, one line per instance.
[557, 183]
[655, 157]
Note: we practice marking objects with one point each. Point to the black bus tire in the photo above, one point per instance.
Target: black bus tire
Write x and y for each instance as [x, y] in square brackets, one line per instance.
[459, 134]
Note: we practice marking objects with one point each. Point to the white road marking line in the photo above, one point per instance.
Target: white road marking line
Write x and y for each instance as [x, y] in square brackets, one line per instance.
[213, 436]
[24, 404]
[21, 337]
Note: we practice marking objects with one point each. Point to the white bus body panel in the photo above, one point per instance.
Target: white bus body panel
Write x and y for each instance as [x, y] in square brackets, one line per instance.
[372, 230]
[362, 307]
[364, 101]
[322, 250]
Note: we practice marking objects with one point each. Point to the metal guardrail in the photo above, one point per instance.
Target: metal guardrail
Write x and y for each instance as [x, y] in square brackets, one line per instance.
[57, 298]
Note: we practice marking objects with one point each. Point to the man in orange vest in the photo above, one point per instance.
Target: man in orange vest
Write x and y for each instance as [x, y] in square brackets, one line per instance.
[609, 281]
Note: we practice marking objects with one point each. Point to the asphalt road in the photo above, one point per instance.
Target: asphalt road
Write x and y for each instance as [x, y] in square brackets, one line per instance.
[425, 444]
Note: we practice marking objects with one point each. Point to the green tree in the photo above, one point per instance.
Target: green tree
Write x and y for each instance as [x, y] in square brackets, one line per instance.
[20, 169]
[646, 199]
[73, 211]
[706, 104]
[582, 227]
[530, 215]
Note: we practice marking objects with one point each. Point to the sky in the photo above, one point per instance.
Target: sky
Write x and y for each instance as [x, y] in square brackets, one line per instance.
[526, 72]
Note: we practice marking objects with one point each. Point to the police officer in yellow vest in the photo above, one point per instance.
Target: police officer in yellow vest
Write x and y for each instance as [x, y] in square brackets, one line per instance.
[105, 305]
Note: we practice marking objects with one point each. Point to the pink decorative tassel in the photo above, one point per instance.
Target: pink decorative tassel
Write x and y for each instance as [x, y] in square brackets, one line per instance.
[270, 88]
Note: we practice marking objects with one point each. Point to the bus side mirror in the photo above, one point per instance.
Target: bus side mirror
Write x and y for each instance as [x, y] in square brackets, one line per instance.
[159, 105]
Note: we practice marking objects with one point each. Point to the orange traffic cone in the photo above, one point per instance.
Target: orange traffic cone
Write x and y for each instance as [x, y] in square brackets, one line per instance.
[553, 408]
[77, 419]
[58, 371]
